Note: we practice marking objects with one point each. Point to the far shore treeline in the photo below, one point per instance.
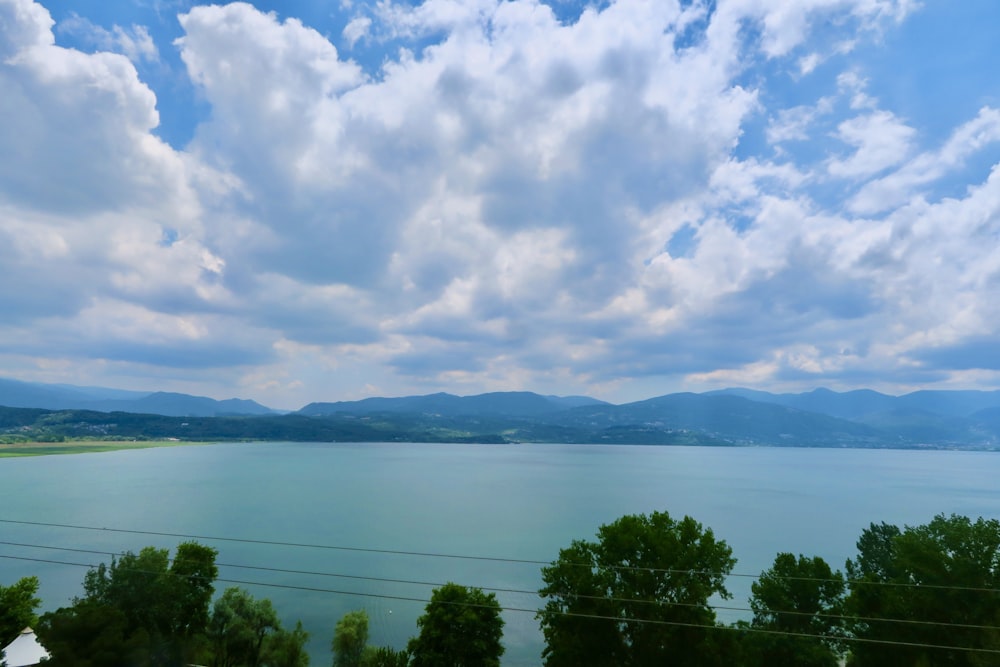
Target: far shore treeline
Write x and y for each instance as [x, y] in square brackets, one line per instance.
[639, 594]
[941, 420]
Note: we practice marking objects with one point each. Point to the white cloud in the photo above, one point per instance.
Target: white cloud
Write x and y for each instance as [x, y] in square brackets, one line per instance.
[809, 62]
[356, 29]
[88, 196]
[495, 206]
[881, 141]
[786, 25]
[795, 124]
[135, 43]
[903, 185]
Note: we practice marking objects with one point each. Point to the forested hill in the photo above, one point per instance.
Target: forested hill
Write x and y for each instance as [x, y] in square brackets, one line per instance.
[728, 418]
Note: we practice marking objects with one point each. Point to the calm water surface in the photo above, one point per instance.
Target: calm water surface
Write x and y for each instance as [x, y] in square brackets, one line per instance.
[503, 501]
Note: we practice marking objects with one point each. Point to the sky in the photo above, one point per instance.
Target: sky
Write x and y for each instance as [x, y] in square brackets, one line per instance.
[325, 200]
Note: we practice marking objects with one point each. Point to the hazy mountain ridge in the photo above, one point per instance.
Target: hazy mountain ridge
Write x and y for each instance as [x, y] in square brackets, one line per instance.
[508, 404]
[819, 418]
[17, 394]
[861, 402]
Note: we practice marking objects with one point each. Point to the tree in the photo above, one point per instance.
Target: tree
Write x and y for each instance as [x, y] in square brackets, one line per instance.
[193, 572]
[637, 596]
[287, 648]
[239, 627]
[350, 636]
[931, 584]
[17, 608]
[800, 596]
[91, 635]
[142, 608]
[461, 627]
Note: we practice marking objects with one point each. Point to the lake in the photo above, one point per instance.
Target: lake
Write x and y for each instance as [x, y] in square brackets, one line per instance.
[521, 502]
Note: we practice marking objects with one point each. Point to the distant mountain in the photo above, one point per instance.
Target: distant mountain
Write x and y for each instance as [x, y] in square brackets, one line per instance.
[861, 402]
[17, 394]
[502, 404]
[921, 426]
[732, 418]
[846, 405]
[183, 405]
[941, 418]
[952, 403]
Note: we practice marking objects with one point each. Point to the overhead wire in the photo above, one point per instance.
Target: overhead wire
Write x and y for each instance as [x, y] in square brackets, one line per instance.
[618, 619]
[493, 589]
[425, 554]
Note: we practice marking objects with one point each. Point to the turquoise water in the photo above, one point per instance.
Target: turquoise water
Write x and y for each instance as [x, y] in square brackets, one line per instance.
[502, 501]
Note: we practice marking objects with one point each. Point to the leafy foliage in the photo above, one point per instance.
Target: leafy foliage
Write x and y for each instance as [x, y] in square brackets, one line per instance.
[384, 656]
[461, 627]
[926, 582]
[652, 568]
[17, 608]
[350, 637]
[89, 634]
[152, 608]
[239, 626]
[798, 596]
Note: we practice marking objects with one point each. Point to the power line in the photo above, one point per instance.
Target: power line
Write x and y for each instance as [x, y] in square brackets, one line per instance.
[424, 554]
[606, 598]
[617, 619]
[302, 545]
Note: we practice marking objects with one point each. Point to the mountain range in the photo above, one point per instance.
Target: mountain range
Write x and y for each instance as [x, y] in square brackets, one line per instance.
[17, 394]
[738, 416]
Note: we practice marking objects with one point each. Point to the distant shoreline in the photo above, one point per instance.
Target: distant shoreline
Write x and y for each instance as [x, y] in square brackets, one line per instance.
[21, 449]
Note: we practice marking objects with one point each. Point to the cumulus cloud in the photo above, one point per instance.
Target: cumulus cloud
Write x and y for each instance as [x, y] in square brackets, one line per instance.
[881, 141]
[903, 184]
[87, 196]
[506, 201]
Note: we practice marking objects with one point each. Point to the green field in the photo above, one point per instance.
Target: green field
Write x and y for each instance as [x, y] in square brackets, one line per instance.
[83, 446]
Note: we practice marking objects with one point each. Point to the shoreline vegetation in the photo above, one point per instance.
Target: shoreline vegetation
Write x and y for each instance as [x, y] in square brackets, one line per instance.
[22, 449]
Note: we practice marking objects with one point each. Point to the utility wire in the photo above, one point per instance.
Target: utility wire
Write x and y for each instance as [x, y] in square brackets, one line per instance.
[493, 589]
[398, 552]
[617, 619]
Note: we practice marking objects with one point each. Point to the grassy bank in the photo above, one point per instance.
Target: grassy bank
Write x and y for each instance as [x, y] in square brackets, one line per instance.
[84, 446]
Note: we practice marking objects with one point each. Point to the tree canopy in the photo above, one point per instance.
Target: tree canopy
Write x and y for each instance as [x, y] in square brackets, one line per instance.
[153, 606]
[350, 637]
[796, 596]
[934, 584]
[17, 608]
[637, 596]
[461, 627]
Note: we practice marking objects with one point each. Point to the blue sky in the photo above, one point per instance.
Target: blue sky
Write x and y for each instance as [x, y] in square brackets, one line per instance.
[298, 201]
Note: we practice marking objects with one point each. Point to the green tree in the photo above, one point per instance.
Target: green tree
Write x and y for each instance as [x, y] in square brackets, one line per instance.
[143, 607]
[192, 573]
[17, 608]
[799, 596]
[286, 648]
[637, 596]
[461, 627]
[350, 637]
[926, 585]
[239, 627]
[91, 635]
[384, 656]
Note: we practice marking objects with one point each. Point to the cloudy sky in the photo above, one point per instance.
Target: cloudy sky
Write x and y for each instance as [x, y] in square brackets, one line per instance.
[330, 199]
